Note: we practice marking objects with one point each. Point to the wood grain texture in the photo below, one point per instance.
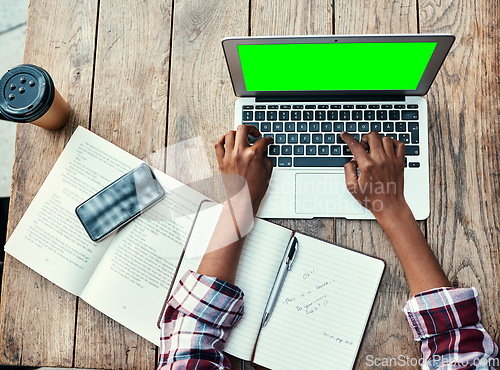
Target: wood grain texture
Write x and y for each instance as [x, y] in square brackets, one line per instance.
[387, 334]
[37, 318]
[375, 17]
[102, 343]
[282, 17]
[201, 101]
[129, 109]
[131, 76]
[464, 149]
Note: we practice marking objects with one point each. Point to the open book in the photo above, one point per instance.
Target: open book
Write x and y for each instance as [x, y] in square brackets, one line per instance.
[322, 309]
[127, 275]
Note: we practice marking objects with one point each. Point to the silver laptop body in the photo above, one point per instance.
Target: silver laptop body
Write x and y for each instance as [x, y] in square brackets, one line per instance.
[304, 90]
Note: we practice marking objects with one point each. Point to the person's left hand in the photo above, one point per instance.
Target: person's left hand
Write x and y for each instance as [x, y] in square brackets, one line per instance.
[241, 164]
[246, 171]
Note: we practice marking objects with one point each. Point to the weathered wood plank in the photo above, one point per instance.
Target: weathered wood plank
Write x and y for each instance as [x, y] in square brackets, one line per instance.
[464, 154]
[281, 17]
[37, 318]
[131, 76]
[102, 343]
[375, 17]
[129, 109]
[201, 100]
[387, 334]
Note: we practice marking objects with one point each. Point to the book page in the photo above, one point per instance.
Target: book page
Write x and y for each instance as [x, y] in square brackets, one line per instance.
[132, 280]
[49, 238]
[322, 309]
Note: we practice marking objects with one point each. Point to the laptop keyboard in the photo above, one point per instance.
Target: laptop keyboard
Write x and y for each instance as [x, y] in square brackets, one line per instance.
[309, 135]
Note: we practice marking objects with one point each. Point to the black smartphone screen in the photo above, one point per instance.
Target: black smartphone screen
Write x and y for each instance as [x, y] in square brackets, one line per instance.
[120, 202]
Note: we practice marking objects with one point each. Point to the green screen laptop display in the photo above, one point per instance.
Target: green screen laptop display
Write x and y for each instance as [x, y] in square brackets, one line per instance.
[335, 66]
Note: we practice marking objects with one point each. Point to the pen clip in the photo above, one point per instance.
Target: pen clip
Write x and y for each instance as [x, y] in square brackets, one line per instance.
[293, 252]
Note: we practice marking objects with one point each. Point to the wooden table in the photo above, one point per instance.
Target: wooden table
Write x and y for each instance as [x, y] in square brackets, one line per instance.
[144, 74]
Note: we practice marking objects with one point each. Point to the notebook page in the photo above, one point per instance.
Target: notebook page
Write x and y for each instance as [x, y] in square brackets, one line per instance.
[322, 309]
[201, 234]
[262, 254]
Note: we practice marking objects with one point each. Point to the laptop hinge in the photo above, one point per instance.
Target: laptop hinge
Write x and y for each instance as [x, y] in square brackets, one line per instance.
[331, 98]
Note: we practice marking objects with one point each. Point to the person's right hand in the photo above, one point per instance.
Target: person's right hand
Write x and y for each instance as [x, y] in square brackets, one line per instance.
[379, 186]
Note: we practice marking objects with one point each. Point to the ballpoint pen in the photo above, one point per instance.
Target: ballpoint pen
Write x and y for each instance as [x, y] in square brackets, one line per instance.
[286, 265]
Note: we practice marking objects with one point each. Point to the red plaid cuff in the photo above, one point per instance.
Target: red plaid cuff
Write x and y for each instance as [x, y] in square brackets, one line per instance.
[440, 310]
[208, 300]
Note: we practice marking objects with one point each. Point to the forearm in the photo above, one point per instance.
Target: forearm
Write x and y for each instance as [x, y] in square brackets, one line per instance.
[245, 172]
[420, 265]
[224, 250]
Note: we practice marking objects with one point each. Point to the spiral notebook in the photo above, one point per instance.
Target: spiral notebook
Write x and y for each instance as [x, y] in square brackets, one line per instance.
[323, 307]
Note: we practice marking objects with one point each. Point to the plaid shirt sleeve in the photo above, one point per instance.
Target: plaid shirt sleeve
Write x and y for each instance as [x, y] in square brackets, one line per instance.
[196, 323]
[447, 323]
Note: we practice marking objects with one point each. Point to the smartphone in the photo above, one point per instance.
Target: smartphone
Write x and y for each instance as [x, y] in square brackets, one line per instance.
[120, 202]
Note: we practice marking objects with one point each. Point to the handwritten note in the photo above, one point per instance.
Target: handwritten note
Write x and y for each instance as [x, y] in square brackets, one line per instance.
[322, 309]
[309, 301]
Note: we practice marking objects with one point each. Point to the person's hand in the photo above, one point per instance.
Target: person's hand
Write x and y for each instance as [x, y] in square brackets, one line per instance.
[241, 164]
[246, 171]
[379, 186]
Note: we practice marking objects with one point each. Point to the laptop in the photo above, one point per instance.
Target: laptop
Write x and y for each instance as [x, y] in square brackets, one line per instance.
[304, 90]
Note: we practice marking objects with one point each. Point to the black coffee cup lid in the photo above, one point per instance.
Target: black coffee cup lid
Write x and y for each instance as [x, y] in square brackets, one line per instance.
[26, 93]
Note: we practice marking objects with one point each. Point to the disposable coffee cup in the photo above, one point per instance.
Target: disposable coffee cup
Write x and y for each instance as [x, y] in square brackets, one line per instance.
[28, 94]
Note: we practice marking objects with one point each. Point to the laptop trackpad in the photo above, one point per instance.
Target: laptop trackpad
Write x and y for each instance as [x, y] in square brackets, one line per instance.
[324, 194]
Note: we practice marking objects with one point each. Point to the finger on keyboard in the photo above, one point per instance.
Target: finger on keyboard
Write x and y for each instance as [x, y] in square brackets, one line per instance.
[355, 147]
[372, 141]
